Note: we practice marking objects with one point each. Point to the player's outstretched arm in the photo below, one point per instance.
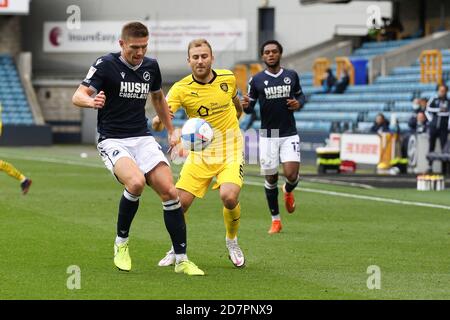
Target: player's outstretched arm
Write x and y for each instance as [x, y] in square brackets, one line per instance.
[238, 106]
[83, 98]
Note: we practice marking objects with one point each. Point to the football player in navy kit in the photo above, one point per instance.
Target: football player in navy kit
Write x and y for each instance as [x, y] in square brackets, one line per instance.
[280, 94]
[118, 85]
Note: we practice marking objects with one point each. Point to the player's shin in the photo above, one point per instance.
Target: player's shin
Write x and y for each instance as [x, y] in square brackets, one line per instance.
[176, 226]
[271, 190]
[128, 207]
[232, 219]
[11, 170]
[291, 185]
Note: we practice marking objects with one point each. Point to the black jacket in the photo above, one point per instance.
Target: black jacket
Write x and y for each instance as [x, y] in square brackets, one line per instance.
[437, 112]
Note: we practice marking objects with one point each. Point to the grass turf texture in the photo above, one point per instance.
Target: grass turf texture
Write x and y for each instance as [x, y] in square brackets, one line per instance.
[68, 218]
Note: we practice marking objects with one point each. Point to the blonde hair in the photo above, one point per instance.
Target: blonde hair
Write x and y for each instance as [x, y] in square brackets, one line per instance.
[198, 43]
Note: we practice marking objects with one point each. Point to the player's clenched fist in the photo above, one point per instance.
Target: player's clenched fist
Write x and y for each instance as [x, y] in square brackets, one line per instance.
[293, 104]
[157, 124]
[245, 101]
[99, 100]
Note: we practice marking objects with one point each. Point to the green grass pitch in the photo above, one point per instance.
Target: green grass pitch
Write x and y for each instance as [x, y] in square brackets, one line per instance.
[68, 218]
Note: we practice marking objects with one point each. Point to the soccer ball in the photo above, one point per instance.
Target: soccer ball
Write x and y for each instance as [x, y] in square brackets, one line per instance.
[196, 134]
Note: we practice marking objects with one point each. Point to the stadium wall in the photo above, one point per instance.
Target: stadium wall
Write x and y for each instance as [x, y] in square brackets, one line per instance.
[58, 110]
[409, 16]
[26, 135]
[10, 34]
[296, 26]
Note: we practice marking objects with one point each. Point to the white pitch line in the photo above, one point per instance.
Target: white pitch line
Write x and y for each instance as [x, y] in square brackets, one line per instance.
[55, 160]
[259, 184]
[362, 197]
[339, 183]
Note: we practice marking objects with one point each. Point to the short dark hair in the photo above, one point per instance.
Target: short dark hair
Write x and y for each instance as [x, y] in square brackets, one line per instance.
[381, 114]
[275, 42]
[134, 30]
[442, 85]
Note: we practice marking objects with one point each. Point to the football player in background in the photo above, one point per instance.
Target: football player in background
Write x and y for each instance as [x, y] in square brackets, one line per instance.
[25, 183]
[211, 94]
[118, 85]
[280, 95]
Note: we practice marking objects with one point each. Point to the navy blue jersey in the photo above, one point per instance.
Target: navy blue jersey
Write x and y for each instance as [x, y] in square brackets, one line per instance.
[438, 112]
[272, 91]
[126, 89]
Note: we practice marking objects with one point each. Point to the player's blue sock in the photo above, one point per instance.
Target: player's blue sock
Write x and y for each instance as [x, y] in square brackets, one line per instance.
[175, 225]
[272, 197]
[128, 207]
[291, 185]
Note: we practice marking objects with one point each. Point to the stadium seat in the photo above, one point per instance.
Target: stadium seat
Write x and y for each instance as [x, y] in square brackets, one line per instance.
[360, 97]
[364, 126]
[402, 106]
[327, 116]
[400, 116]
[314, 126]
[12, 95]
[344, 106]
[178, 123]
[393, 87]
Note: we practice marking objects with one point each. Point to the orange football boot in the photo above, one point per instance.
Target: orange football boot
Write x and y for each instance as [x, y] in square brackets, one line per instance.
[276, 227]
[289, 200]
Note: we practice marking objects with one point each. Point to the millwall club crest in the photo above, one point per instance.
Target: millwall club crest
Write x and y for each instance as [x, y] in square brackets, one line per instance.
[146, 76]
[224, 86]
[287, 80]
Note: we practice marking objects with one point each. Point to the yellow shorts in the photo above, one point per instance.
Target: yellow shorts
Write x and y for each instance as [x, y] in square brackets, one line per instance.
[196, 176]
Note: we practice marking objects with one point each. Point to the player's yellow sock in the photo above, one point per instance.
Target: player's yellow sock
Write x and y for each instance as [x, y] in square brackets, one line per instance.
[11, 170]
[232, 219]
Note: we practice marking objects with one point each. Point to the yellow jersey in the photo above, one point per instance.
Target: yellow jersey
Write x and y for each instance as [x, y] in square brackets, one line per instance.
[212, 102]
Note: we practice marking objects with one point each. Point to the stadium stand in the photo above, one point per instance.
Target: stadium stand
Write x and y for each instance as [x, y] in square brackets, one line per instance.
[443, 156]
[358, 106]
[371, 49]
[16, 110]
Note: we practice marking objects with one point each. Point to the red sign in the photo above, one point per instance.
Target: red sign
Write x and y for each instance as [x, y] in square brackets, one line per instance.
[362, 148]
[3, 3]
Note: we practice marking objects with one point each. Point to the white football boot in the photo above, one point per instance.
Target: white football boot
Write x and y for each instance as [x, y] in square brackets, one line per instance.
[168, 260]
[235, 253]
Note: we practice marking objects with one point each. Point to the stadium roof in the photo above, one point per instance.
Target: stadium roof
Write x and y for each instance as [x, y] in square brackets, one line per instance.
[332, 1]
[323, 1]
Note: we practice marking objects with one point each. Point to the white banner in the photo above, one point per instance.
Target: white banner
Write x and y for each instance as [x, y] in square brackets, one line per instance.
[14, 6]
[361, 148]
[103, 36]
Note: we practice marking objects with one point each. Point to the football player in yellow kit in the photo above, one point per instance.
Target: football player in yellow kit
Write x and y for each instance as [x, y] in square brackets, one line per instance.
[25, 182]
[211, 94]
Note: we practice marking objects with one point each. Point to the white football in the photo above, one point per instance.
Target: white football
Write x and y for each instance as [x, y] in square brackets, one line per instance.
[196, 134]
